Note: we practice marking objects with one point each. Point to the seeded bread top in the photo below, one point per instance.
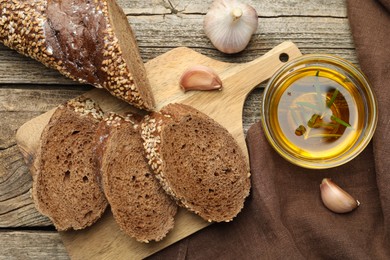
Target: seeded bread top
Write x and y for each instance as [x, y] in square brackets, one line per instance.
[197, 161]
[85, 107]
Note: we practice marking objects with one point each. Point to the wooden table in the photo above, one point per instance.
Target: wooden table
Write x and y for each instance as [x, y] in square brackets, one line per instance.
[28, 89]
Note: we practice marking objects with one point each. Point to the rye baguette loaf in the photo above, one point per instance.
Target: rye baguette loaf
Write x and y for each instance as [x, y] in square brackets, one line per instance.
[140, 206]
[89, 41]
[65, 187]
[197, 161]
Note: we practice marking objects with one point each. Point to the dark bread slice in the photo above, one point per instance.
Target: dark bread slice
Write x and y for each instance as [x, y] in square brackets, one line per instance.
[65, 187]
[88, 41]
[139, 204]
[197, 161]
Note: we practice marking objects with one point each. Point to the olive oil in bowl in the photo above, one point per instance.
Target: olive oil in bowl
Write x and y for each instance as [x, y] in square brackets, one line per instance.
[316, 114]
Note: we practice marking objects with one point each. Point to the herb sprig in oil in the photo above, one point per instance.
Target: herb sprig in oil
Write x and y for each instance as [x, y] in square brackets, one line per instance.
[321, 107]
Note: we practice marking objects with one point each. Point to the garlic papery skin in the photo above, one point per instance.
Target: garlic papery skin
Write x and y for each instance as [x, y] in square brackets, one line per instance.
[230, 25]
[199, 77]
[335, 198]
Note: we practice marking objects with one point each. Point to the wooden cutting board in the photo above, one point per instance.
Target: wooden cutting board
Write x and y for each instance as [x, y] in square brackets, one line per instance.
[104, 240]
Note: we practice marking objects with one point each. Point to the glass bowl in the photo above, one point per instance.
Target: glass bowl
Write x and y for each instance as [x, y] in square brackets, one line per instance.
[319, 111]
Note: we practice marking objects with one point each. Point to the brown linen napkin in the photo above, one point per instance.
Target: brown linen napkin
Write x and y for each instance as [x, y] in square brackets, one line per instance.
[370, 25]
[284, 217]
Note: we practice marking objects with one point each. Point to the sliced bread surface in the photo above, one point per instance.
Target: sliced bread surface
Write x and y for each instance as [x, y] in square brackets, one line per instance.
[197, 161]
[140, 206]
[65, 187]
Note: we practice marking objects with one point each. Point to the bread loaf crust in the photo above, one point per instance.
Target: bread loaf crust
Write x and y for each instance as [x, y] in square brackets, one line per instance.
[79, 39]
[65, 187]
[197, 161]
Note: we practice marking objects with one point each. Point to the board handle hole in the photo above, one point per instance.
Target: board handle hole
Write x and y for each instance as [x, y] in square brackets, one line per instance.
[283, 57]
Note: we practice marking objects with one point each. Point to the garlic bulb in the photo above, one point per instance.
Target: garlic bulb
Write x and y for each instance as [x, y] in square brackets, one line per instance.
[335, 198]
[199, 77]
[230, 24]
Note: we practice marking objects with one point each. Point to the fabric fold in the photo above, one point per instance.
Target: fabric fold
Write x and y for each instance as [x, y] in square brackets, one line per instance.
[370, 26]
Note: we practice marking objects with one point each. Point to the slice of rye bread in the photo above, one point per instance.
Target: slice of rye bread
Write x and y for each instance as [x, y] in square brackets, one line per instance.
[197, 161]
[140, 206]
[65, 187]
[88, 41]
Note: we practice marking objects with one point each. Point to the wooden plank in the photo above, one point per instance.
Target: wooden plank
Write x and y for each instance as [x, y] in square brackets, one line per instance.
[308, 32]
[323, 34]
[153, 7]
[17, 245]
[36, 99]
[330, 8]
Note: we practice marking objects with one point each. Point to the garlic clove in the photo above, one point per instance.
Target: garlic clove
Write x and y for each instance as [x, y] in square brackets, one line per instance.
[200, 77]
[335, 198]
[230, 25]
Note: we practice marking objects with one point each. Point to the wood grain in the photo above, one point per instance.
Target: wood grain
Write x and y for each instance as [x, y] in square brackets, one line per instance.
[16, 245]
[104, 239]
[16, 208]
[331, 8]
